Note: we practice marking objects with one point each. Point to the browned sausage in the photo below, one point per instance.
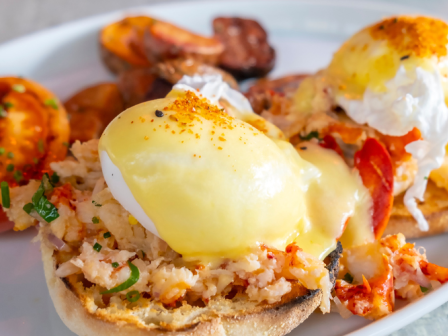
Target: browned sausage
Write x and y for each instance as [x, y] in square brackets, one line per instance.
[165, 41]
[247, 52]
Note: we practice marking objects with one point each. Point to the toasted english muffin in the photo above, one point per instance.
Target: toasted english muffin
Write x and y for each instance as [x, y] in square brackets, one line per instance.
[434, 207]
[76, 306]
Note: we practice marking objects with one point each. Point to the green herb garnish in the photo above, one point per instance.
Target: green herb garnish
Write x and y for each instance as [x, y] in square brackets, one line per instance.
[95, 220]
[426, 177]
[348, 277]
[115, 264]
[8, 104]
[54, 178]
[424, 289]
[2, 151]
[133, 278]
[10, 155]
[96, 204]
[6, 201]
[10, 167]
[18, 176]
[97, 247]
[309, 136]
[107, 235]
[41, 204]
[52, 103]
[133, 296]
[19, 88]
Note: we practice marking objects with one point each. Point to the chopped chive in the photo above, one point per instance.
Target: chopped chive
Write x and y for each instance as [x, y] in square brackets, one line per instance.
[133, 296]
[2, 151]
[95, 220]
[10, 167]
[97, 247]
[52, 103]
[19, 88]
[107, 235]
[132, 280]
[28, 208]
[5, 194]
[348, 277]
[54, 178]
[424, 289]
[143, 253]
[40, 146]
[8, 104]
[96, 204]
[41, 204]
[18, 176]
[115, 264]
[405, 57]
[10, 155]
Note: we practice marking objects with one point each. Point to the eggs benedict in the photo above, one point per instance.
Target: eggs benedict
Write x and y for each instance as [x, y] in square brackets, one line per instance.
[386, 82]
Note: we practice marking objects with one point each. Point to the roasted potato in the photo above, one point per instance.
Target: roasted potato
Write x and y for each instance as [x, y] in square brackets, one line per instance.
[121, 44]
[92, 109]
[247, 52]
[262, 93]
[139, 85]
[166, 41]
[173, 70]
[34, 130]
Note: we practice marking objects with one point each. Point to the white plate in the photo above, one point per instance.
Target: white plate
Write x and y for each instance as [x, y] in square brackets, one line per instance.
[66, 58]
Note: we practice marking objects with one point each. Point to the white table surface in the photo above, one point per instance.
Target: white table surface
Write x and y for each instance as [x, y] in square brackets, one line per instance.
[19, 17]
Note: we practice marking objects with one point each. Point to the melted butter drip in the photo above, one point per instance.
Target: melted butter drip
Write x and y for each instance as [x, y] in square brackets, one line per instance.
[336, 196]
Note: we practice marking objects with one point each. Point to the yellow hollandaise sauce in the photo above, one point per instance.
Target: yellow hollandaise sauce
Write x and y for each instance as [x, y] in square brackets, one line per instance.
[214, 186]
[372, 57]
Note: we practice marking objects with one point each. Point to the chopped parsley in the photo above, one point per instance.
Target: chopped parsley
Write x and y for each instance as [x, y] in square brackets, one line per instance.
[348, 277]
[107, 235]
[309, 136]
[51, 103]
[6, 202]
[97, 247]
[41, 204]
[54, 178]
[95, 220]
[115, 264]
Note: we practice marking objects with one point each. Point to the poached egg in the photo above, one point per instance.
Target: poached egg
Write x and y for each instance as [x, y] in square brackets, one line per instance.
[392, 76]
[214, 182]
